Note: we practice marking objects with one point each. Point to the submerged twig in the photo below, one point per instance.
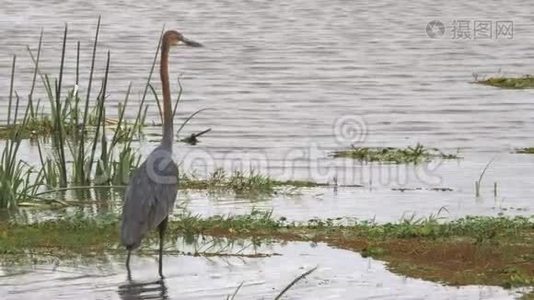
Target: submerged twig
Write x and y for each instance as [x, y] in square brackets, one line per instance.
[477, 183]
[235, 292]
[294, 282]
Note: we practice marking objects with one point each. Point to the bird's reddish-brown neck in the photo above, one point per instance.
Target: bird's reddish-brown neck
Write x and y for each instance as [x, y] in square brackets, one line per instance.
[167, 110]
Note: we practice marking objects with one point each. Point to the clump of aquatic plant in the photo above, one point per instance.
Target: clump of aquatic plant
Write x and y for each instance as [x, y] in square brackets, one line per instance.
[525, 82]
[194, 224]
[526, 150]
[239, 182]
[38, 126]
[416, 154]
[17, 181]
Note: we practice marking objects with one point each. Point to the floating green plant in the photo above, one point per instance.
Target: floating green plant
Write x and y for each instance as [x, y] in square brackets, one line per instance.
[525, 82]
[416, 154]
[240, 183]
[526, 150]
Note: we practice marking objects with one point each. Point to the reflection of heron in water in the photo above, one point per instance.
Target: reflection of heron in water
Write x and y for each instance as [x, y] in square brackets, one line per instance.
[143, 290]
[152, 189]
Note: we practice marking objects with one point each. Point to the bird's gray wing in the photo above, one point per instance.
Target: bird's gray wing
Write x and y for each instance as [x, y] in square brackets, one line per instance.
[148, 201]
[138, 208]
[165, 195]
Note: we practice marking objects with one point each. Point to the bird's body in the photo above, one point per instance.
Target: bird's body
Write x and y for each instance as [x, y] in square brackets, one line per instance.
[147, 201]
[152, 188]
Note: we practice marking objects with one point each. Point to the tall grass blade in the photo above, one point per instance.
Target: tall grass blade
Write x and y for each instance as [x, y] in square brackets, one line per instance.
[11, 89]
[118, 129]
[154, 60]
[139, 117]
[16, 115]
[157, 102]
[100, 114]
[77, 99]
[59, 125]
[178, 98]
[35, 71]
[82, 177]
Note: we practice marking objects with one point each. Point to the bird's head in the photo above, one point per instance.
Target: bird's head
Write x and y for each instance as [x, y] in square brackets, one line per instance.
[174, 38]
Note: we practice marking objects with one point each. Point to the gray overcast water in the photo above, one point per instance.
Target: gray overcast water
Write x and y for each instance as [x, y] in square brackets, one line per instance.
[284, 82]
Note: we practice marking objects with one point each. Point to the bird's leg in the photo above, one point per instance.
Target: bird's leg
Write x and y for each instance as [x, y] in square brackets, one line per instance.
[162, 227]
[128, 264]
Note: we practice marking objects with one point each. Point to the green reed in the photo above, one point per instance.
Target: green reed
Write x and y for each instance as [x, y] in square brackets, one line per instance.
[80, 153]
[17, 180]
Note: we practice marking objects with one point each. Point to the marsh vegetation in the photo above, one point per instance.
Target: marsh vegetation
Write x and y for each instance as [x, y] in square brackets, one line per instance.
[408, 155]
[524, 82]
[473, 250]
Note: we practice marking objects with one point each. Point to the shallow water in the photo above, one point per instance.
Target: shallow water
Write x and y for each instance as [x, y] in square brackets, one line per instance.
[340, 274]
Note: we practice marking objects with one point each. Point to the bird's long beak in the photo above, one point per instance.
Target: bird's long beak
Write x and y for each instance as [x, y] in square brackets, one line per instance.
[191, 43]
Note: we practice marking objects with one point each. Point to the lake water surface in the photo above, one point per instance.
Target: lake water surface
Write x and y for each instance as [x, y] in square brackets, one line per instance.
[283, 80]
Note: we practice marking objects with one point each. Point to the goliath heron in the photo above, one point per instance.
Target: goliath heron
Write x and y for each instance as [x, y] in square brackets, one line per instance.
[152, 188]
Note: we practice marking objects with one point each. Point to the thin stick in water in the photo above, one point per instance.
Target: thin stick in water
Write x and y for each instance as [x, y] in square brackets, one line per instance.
[479, 182]
[294, 282]
[235, 292]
